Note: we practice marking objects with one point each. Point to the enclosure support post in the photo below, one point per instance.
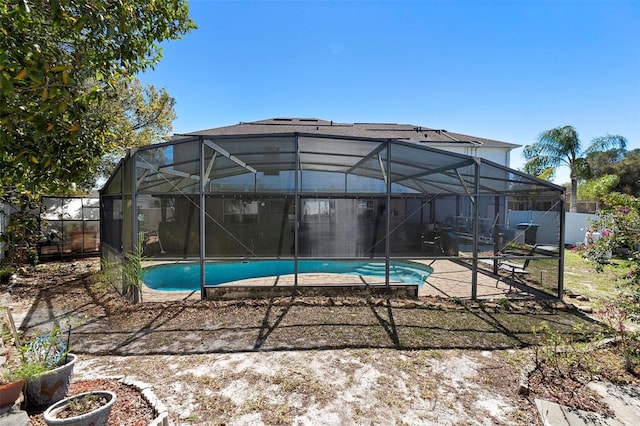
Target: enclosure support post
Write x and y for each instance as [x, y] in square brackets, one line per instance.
[296, 211]
[561, 247]
[476, 219]
[202, 211]
[387, 242]
[102, 231]
[497, 240]
[134, 220]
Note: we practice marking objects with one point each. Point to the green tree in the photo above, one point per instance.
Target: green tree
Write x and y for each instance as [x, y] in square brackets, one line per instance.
[58, 59]
[597, 189]
[627, 170]
[623, 164]
[562, 146]
[137, 116]
[603, 163]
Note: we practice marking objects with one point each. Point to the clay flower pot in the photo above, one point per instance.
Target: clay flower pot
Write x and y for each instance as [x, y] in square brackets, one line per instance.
[88, 408]
[9, 394]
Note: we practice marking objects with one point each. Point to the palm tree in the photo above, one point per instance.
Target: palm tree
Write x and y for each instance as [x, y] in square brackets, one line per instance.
[561, 146]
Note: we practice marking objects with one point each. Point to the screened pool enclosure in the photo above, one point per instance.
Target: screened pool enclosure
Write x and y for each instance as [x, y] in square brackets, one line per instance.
[209, 200]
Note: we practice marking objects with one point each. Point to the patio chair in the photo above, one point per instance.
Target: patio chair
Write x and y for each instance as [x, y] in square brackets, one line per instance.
[517, 269]
[432, 243]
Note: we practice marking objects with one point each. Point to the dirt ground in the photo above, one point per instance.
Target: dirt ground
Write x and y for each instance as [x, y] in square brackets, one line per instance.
[315, 361]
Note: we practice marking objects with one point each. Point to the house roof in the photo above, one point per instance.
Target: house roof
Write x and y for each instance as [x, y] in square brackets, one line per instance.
[407, 132]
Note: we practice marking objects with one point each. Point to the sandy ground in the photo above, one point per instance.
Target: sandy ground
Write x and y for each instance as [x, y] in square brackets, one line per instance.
[334, 387]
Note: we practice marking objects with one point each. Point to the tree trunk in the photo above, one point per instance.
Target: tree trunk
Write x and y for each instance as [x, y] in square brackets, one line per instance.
[574, 195]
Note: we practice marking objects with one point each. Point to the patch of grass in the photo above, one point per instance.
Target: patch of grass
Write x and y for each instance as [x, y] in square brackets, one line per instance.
[388, 396]
[409, 366]
[478, 329]
[209, 382]
[504, 303]
[256, 404]
[289, 383]
[581, 277]
[302, 384]
[428, 389]
[436, 354]
[516, 359]
[272, 414]
[213, 409]
[543, 274]
[384, 381]
[279, 415]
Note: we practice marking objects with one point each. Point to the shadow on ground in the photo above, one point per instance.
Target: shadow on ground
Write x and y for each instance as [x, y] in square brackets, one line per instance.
[104, 323]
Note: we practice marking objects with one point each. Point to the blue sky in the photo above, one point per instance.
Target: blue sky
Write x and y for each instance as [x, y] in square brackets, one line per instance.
[504, 70]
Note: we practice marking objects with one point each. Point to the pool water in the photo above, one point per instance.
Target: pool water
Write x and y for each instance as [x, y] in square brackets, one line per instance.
[186, 276]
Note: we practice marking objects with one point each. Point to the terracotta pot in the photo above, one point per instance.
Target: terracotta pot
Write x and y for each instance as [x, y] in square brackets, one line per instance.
[9, 394]
[97, 417]
[50, 386]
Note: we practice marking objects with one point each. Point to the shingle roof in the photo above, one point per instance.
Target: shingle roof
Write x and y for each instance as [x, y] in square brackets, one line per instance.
[407, 132]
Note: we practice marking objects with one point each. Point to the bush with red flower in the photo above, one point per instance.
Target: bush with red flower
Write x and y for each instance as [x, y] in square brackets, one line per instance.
[620, 235]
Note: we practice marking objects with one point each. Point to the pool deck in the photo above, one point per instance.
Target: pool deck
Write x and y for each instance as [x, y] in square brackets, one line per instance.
[449, 279]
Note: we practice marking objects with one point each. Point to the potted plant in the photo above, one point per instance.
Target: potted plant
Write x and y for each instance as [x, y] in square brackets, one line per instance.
[9, 393]
[47, 367]
[89, 408]
[11, 381]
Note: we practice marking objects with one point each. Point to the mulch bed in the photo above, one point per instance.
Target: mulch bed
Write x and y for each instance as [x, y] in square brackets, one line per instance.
[130, 408]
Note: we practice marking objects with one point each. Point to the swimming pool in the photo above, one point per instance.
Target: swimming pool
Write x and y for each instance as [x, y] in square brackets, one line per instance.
[186, 276]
